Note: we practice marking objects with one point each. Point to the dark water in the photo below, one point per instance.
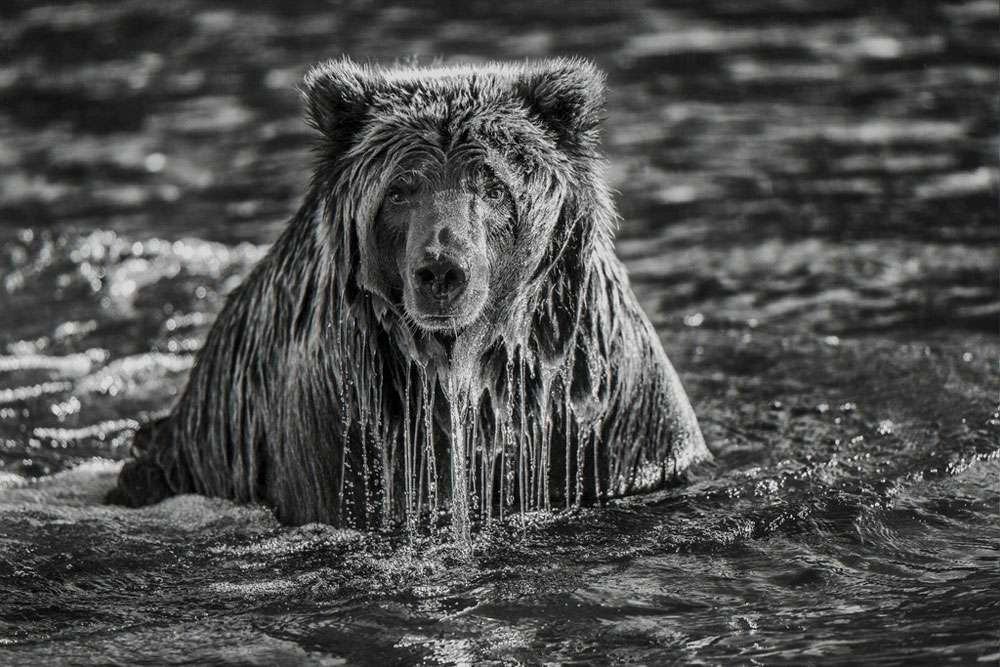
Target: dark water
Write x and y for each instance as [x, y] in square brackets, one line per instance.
[810, 202]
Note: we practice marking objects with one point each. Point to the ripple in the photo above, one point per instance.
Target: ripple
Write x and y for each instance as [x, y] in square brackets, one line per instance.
[71, 364]
[135, 373]
[19, 394]
[99, 431]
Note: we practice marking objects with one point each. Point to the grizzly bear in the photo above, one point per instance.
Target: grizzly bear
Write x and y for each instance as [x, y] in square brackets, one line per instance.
[443, 329]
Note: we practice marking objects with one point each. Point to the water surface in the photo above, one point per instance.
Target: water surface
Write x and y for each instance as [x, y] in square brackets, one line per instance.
[809, 196]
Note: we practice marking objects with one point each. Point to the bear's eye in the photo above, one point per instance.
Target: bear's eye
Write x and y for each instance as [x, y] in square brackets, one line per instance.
[495, 192]
[491, 188]
[401, 189]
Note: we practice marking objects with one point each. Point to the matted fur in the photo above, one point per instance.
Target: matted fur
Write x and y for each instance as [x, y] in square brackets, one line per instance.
[314, 394]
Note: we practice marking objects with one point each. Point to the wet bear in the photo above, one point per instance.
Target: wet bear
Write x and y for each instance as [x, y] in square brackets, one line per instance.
[443, 327]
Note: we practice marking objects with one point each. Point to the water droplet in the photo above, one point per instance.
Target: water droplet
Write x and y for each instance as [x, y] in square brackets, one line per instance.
[694, 320]
[885, 427]
[155, 162]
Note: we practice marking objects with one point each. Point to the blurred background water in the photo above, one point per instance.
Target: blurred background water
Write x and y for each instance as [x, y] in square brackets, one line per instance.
[809, 193]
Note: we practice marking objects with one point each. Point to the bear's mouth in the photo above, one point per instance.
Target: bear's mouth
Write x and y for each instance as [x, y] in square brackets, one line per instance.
[441, 323]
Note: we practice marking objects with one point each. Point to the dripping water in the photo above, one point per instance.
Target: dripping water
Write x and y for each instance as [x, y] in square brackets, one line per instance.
[499, 445]
[457, 403]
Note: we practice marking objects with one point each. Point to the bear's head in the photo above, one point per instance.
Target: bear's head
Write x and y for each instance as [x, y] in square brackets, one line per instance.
[455, 190]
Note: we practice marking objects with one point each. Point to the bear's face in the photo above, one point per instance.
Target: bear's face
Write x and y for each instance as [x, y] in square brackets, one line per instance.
[443, 225]
[453, 188]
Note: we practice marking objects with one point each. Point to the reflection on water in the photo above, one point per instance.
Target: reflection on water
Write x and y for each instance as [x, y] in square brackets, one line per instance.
[809, 199]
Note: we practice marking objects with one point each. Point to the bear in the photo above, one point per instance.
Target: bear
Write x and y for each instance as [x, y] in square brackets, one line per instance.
[443, 329]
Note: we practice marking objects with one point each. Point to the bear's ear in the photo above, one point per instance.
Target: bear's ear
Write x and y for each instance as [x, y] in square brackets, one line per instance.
[337, 96]
[567, 96]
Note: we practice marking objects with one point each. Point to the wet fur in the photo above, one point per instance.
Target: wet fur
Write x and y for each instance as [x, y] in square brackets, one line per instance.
[313, 392]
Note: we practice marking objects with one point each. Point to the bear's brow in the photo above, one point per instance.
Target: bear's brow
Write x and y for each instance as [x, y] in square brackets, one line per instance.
[439, 169]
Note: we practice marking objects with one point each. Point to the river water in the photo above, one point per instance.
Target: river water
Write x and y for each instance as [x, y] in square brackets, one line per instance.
[809, 193]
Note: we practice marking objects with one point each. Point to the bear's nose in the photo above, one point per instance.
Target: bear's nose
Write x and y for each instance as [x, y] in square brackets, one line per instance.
[440, 279]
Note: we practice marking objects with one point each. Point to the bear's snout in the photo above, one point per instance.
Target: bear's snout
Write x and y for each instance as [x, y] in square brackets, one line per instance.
[445, 265]
[439, 281]
[445, 289]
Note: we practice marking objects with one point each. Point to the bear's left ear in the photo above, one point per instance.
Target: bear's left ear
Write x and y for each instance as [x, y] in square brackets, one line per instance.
[337, 96]
[567, 96]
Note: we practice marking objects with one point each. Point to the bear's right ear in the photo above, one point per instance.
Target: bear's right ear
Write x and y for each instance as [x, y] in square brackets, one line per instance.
[337, 96]
[567, 96]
